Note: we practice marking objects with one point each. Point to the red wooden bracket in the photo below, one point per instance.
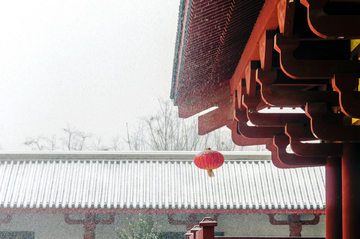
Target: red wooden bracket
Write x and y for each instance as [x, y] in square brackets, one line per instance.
[276, 120]
[240, 140]
[240, 116]
[295, 130]
[330, 26]
[286, 14]
[274, 156]
[283, 96]
[276, 77]
[263, 132]
[270, 119]
[215, 119]
[304, 69]
[250, 77]
[326, 125]
[251, 102]
[258, 132]
[290, 95]
[266, 47]
[282, 141]
[345, 85]
[240, 91]
[253, 131]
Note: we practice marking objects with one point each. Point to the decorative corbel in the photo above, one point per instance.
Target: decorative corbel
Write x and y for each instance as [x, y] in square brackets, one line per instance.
[294, 222]
[329, 126]
[330, 26]
[349, 96]
[89, 223]
[294, 131]
[303, 69]
[281, 142]
[286, 94]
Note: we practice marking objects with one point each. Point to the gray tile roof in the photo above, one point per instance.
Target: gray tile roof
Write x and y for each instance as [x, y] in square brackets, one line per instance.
[164, 184]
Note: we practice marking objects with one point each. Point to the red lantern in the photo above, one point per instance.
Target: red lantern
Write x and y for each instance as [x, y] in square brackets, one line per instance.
[209, 160]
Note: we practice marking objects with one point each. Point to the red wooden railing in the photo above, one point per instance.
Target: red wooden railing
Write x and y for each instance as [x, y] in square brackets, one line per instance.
[206, 230]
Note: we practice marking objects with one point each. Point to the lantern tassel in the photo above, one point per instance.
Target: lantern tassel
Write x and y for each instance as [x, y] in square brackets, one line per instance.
[211, 173]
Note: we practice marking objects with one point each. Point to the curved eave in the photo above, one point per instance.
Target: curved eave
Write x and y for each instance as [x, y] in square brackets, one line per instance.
[207, 55]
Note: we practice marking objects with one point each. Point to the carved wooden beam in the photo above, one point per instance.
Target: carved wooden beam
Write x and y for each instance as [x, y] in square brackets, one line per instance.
[329, 126]
[294, 131]
[331, 26]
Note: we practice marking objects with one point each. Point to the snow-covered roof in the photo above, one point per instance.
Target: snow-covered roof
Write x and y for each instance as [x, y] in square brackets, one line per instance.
[155, 180]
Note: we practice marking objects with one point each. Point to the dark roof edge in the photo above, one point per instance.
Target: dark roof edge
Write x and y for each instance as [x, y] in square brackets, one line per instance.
[148, 156]
[177, 46]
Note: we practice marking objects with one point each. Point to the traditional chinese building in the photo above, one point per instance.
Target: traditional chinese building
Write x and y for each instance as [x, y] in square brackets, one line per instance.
[90, 195]
[244, 56]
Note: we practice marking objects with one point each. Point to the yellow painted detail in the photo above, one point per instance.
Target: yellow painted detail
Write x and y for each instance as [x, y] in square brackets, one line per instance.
[353, 120]
[354, 43]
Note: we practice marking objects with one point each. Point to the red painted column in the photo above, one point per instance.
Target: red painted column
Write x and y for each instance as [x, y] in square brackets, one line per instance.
[351, 191]
[333, 210]
[208, 225]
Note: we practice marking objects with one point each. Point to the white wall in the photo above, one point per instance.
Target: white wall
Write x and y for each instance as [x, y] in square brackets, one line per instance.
[259, 225]
[54, 226]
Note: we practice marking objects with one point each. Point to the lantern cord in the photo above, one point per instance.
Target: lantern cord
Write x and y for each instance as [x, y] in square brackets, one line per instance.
[211, 173]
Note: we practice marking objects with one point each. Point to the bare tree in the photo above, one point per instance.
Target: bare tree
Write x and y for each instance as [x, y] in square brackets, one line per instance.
[162, 131]
[166, 131]
[37, 144]
[115, 143]
[52, 143]
[137, 140]
[73, 139]
[97, 144]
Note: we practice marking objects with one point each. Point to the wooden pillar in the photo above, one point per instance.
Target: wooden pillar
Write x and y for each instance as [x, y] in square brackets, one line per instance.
[333, 210]
[351, 192]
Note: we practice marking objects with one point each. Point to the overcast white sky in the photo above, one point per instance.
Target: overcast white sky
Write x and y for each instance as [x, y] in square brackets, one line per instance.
[94, 64]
